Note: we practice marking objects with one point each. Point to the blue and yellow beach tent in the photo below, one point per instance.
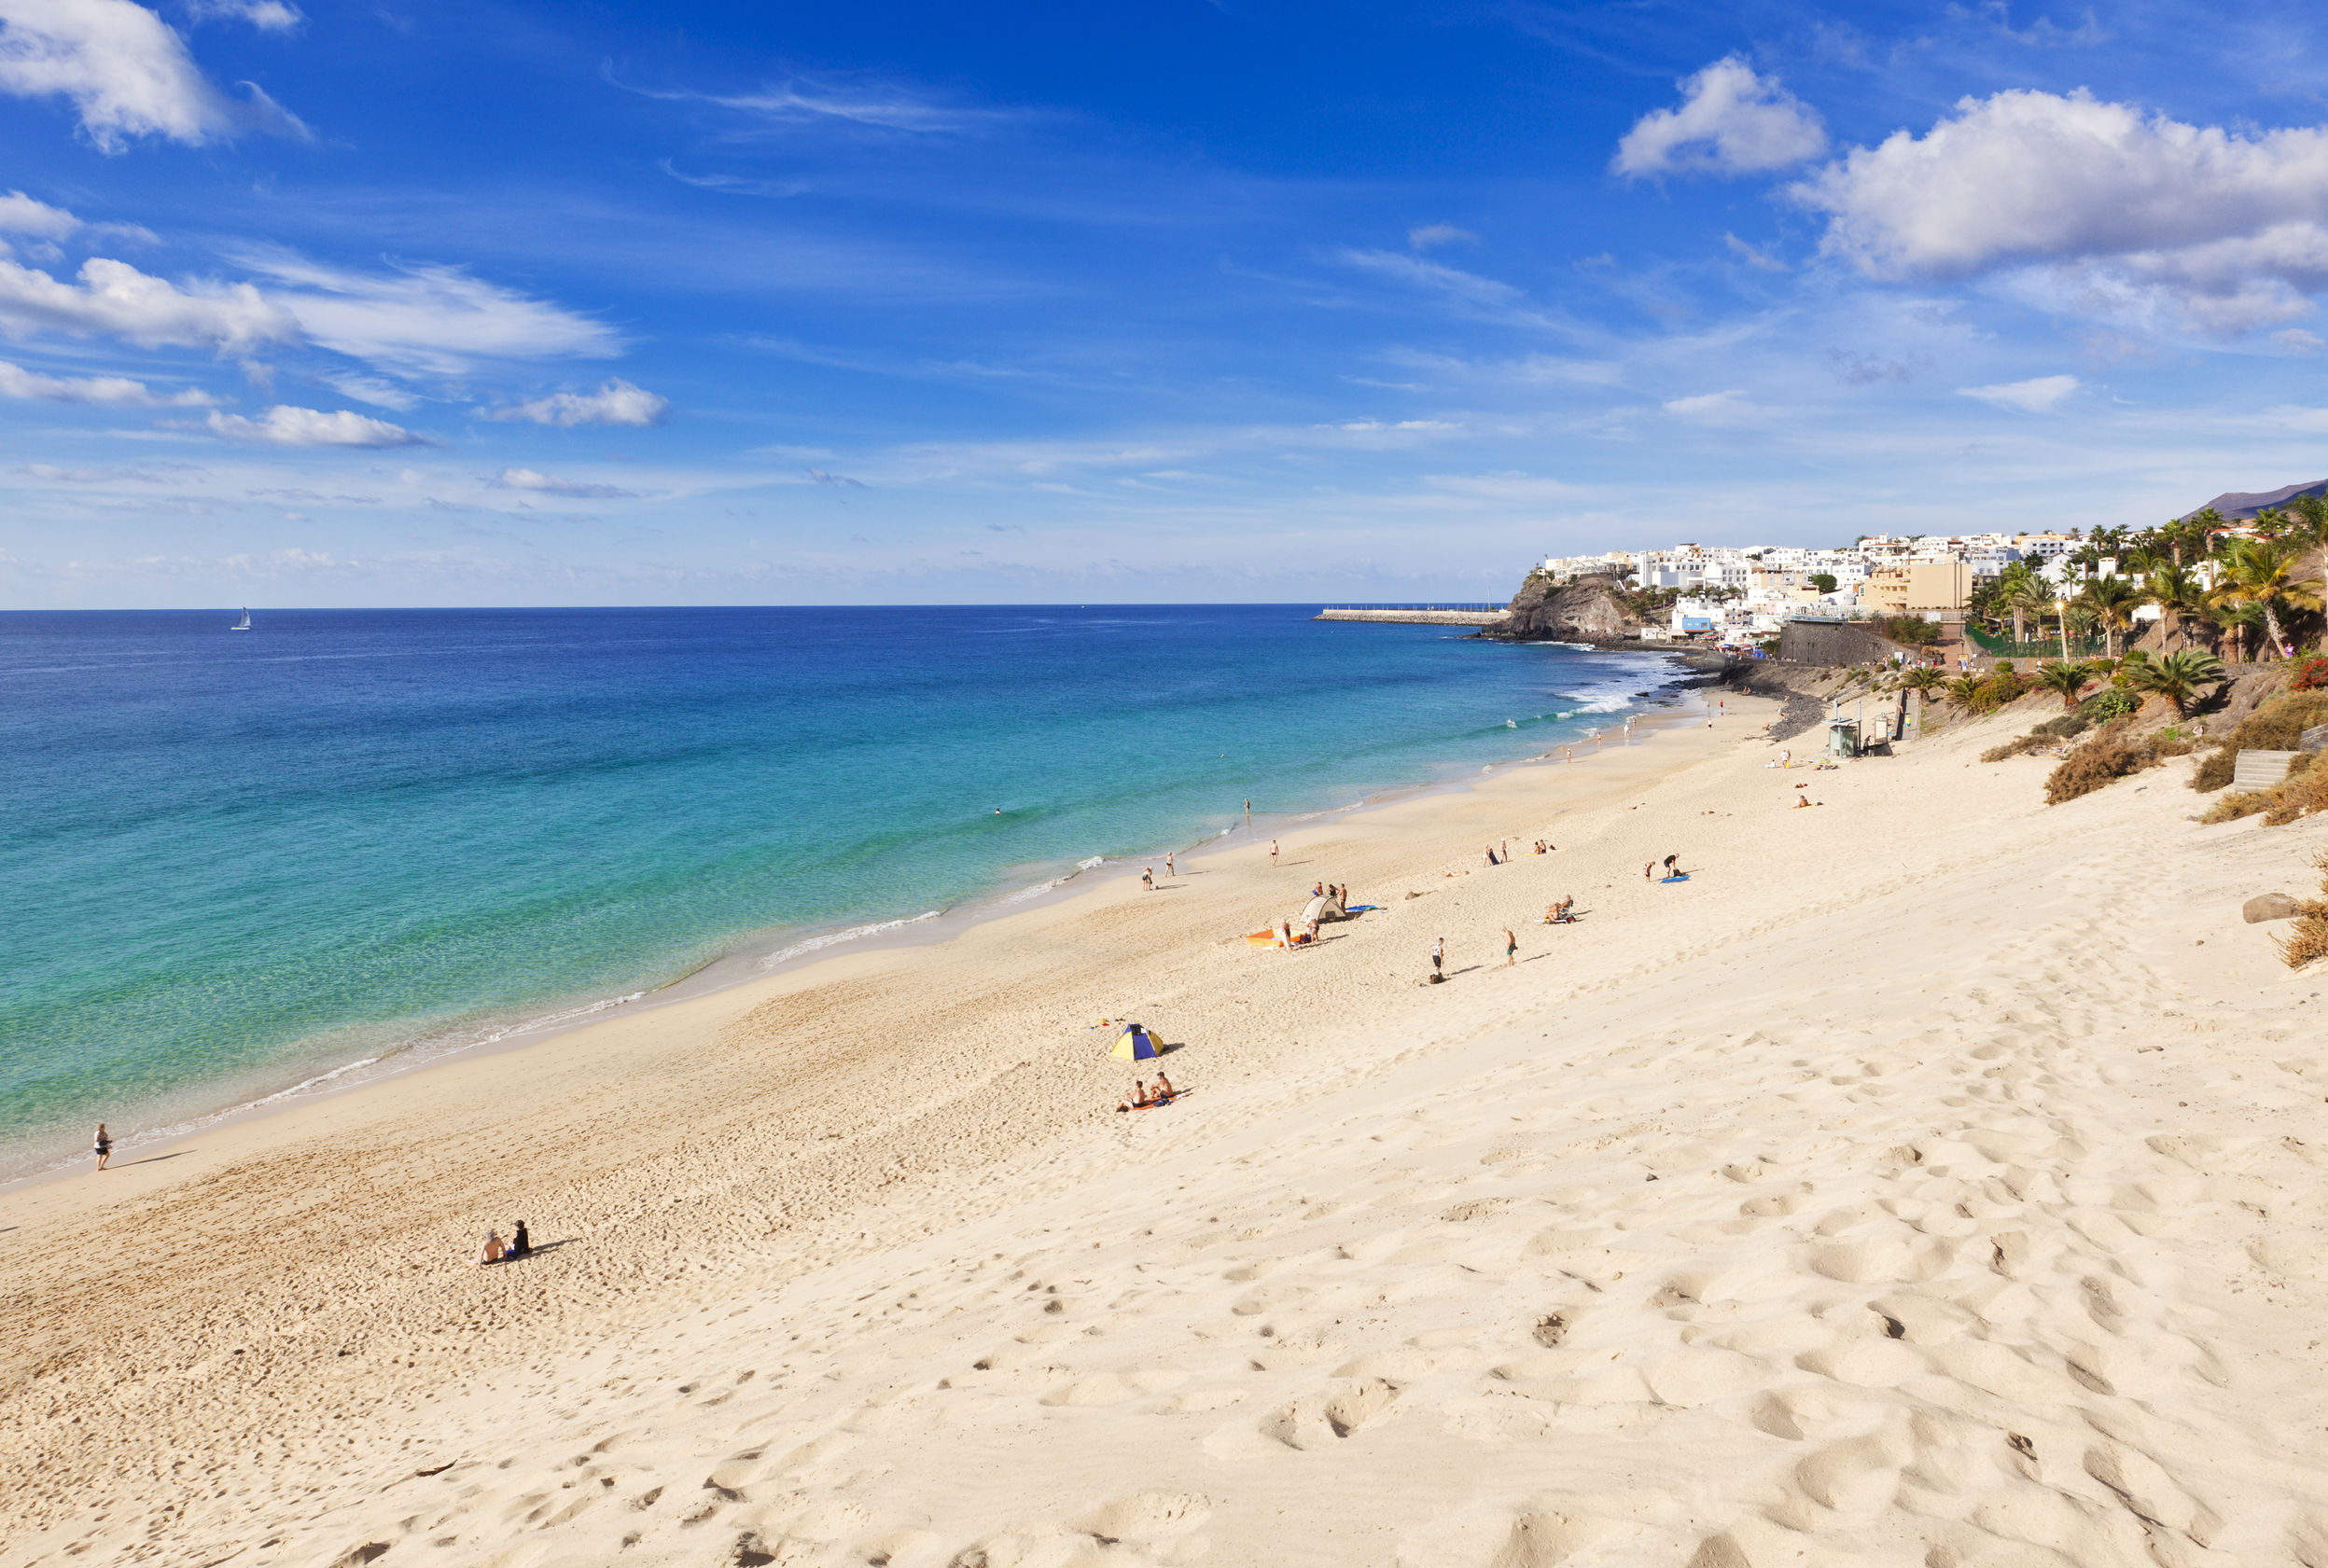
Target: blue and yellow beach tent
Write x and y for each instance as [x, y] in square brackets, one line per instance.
[1136, 1043]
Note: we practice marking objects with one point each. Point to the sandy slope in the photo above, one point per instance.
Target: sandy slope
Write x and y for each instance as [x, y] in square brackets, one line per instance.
[1909, 1187]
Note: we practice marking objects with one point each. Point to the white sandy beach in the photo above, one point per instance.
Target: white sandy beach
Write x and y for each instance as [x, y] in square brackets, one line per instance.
[1935, 1177]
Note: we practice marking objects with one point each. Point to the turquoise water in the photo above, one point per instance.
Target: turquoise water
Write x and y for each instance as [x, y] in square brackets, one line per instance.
[240, 861]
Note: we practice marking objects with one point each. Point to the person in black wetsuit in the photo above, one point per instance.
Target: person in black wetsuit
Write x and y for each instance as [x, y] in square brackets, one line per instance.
[521, 1245]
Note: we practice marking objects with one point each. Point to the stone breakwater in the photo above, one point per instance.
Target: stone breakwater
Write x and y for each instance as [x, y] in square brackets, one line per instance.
[1421, 617]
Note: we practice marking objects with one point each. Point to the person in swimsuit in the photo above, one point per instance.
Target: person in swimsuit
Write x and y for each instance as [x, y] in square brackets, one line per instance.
[1272, 852]
[1438, 953]
[1673, 865]
[1137, 1100]
[104, 1146]
[1168, 868]
[1147, 878]
[494, 1251]
[521, 1245]
[1164, 1091]
[1511, 948]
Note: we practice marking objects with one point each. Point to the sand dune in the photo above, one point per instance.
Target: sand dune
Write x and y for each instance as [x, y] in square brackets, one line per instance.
[1911, 1186]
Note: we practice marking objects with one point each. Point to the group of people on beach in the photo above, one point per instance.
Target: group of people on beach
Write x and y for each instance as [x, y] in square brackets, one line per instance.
[1147, 873]
[1142, 1098]
[495, 1250]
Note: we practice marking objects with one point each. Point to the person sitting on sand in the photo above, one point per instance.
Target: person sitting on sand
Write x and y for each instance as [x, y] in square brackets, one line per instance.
[1488, 855]
[1137, 1100]
[1560, 913]
[1166, 1093]
[494, 1251]
[521, 1245]
[1317, 890]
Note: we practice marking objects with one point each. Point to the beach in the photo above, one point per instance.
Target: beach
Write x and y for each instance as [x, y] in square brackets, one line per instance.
[1935, 1176]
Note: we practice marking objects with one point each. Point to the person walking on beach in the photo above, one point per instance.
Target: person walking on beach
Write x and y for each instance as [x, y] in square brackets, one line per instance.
[1511, 948]
[1168, 868]
[1438, 956]
[1272, 852]
[104, 1146]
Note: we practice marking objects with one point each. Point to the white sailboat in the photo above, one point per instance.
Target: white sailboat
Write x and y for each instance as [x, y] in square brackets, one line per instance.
[245, 624]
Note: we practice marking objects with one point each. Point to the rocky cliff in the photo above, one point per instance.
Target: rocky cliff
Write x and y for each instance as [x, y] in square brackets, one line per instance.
[1588, 610]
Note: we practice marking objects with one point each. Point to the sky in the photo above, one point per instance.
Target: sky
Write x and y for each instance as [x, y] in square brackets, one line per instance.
[404, 303]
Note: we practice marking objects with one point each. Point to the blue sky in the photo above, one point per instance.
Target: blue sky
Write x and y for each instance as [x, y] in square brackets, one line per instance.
[485, 304]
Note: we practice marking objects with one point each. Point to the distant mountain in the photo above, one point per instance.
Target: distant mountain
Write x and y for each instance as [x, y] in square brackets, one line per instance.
[2238, 506]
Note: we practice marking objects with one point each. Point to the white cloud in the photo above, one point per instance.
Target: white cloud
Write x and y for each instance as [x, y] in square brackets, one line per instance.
[372, 390]
[1431, 234]
[21, 214]
[888, 107]
[2296, 340]
[1731, 121]
[2097, 207]
[2041, 396]
[126, 72]
[286, 426]
[1714, 408]
[426, 320]
[548, 484]
[1753, 256]
[618, 402]
[268, 16]
[111, 391]
[115, 297]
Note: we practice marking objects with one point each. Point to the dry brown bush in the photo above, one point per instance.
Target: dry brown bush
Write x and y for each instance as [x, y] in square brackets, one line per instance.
[2104, 759]
[2307, 938]
[2279, 725]
[2304, 791]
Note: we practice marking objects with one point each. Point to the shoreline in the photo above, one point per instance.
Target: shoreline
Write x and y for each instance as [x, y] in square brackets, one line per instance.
[740, 965]
[1729, 1196]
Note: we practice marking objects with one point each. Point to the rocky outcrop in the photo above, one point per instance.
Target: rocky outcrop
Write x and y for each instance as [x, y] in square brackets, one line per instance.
[1590, 610]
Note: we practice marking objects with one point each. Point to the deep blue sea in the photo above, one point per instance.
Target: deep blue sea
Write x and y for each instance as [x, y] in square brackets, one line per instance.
[236, 863]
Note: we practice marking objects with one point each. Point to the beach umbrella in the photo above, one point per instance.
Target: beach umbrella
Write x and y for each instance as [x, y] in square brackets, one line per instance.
[1136, 1043]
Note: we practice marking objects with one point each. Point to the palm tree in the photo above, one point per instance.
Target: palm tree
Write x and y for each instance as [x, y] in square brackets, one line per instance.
[2178, 595]
[2112, 600]
[2018, 591]
[2262, 573]
[2056, 675]
[2177, 678]
[2236, 621]
[1964, 690]
[2309, 524]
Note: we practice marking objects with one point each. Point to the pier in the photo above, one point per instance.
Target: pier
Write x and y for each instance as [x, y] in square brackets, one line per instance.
[1419, 615]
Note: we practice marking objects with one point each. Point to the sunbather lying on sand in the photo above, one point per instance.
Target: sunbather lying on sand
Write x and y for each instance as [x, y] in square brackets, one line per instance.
[1557, 914]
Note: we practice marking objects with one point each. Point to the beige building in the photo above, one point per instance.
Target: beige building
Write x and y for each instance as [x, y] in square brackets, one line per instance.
[1935, 590]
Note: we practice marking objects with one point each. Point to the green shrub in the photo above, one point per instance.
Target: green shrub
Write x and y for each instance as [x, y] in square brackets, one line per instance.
[2115, 703]
[2063, 728]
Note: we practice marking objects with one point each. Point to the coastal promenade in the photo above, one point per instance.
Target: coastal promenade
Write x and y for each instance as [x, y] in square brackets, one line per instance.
[1418, 614]
[1754, 1219]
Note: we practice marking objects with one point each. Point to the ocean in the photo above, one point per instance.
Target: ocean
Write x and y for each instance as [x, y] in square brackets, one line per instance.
[242, 866]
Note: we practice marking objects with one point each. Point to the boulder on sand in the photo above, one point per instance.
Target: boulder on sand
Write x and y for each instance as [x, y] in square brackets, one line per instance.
[2270, 906]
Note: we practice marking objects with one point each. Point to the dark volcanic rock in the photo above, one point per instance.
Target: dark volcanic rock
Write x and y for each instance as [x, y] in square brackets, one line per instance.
[1587, 610]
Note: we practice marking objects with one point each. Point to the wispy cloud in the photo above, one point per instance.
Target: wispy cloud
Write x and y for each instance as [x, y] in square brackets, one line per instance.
[550, 484]
[2042, 395]
[426, 319]
[286, 426]
[119, 391]
[618, 402]
[268, 16]
[802, 100]
[734, 185]
[1429, 236]
[819, 476]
